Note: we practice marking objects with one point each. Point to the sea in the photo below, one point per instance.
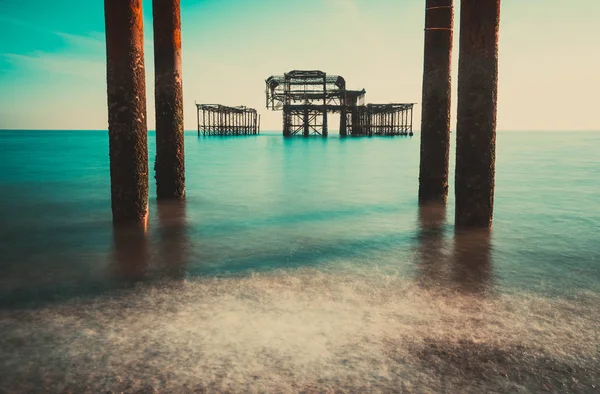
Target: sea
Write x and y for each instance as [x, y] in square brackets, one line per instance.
[296, 263]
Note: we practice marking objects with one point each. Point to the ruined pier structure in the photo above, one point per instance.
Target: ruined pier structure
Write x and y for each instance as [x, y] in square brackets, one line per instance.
[216, 119]
[307, 97]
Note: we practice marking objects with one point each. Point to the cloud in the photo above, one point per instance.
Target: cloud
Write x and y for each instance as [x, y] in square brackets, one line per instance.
[66, 64]
[82, 57]
[93, 40]
[19, 22]
[88, 41]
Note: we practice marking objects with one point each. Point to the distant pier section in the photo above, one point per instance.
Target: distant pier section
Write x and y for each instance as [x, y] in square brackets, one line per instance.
[307, 97]
[216, 119]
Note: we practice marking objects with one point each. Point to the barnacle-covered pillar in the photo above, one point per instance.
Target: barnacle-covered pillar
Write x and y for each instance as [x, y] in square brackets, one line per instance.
[126, 91]
[170, 165]
[435, 119]
[476, 120]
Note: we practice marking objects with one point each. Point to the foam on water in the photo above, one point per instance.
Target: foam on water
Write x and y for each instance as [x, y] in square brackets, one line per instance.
[302, 329]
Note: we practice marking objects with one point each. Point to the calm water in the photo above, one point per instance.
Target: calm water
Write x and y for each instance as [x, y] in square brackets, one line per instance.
[298, 265]
[261, 203]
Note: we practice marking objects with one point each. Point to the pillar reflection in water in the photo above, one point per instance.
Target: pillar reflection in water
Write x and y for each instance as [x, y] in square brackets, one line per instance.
[471, 262]
[130, 252]
[431, 256]
[173, 243]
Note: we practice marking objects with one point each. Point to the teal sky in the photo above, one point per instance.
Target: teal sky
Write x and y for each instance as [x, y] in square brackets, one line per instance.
[52, 57]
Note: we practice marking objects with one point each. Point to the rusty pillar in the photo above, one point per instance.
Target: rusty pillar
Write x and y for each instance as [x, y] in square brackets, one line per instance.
[435, 116]
[127, 128]
[476, 119]
[170, 166]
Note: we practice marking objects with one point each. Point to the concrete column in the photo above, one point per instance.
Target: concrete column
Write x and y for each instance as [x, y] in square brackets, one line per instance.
[127, 129]
[170, 166]
[476, 122]
[435, 115]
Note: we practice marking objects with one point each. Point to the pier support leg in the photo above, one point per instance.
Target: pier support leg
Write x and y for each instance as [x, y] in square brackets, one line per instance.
[411, 122]
[325, 131]
[170, 166]
[127, 127]
[343, 127]
[435, 120]
[286, 123]
[198, 119]
[476, 119]
[306, 122]
[356, 129]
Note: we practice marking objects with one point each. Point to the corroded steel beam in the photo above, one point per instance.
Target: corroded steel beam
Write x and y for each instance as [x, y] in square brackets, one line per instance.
[476, 122]
[435, 115]
[170, 163]
[127, 130]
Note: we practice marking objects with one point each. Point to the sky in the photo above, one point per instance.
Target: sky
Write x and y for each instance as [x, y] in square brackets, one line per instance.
[53, 72]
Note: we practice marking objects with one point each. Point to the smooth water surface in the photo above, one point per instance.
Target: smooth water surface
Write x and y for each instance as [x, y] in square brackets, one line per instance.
[298, 265]
[264, 202]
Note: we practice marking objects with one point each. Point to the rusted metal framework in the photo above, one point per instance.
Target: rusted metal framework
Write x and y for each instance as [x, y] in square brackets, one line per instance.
[216, 119]
[380, 119]
[306, 97]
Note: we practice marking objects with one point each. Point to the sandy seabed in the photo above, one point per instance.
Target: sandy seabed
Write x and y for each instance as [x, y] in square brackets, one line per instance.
[304, 331]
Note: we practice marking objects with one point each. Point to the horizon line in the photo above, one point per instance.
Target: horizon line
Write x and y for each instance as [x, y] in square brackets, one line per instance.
[280, 131]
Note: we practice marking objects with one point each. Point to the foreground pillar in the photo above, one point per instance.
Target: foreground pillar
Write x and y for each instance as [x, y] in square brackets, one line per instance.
[476, 120]
[435, 115]
[170, 166]
[127, 130]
